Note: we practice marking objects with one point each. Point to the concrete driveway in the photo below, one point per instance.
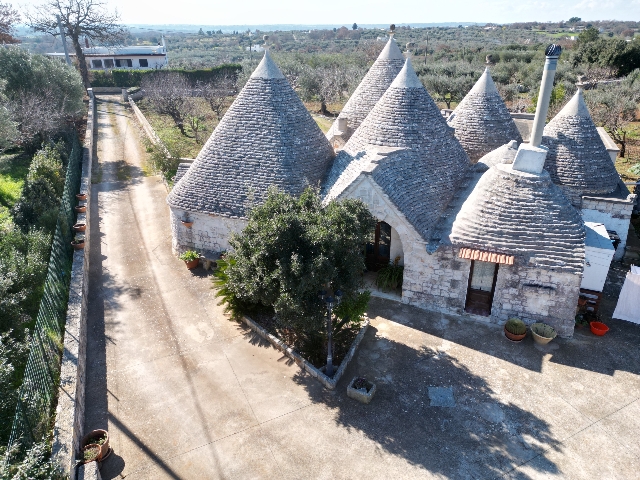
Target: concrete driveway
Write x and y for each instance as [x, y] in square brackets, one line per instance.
[186, 393]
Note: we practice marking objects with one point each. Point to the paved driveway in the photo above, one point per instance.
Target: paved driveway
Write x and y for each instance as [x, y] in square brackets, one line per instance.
[186, 393]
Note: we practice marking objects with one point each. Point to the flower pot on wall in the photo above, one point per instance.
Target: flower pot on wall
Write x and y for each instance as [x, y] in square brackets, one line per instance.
[81, 196]
[98, 437]
[79, 227]
[80, 208]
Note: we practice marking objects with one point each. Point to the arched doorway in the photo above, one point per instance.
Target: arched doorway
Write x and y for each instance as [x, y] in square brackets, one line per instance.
[378, 248]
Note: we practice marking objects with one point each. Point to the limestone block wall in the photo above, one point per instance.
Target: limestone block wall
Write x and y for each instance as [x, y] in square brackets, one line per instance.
[208, 234]
[537, 295]
[614, 213]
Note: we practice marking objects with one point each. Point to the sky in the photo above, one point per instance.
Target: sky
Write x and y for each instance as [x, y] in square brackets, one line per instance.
[346, 12]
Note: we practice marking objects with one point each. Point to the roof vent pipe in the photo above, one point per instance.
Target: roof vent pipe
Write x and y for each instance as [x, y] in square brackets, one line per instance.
[552, 53]
[530, 157]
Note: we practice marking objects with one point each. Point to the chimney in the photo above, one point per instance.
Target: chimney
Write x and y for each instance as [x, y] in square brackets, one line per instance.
[530, 157]
[552, 53]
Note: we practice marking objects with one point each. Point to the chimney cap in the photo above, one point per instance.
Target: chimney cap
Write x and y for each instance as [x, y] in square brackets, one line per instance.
[553, 50]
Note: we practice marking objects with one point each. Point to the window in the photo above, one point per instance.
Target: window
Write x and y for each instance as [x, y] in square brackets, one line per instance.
[108, 63]
[124, 62]
[129, 62]
[96, 63]
[118, 63]
[144, 62]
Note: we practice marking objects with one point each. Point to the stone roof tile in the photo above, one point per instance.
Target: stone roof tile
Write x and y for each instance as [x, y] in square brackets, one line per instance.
[578, 161]
[409, 150]
[266, 138]
[482, 121]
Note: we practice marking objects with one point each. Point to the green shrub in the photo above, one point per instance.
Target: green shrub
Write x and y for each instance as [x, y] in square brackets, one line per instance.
[515, 326]
[36, 464]
[127, 78]
[292, 248]
[189, 256]
[390, 276]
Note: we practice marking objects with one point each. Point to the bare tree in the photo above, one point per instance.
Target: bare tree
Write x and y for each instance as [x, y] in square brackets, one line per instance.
[170, 94]
[217, 92]
[614, 108]
[79, 18]
[36, 116]
[8, 18]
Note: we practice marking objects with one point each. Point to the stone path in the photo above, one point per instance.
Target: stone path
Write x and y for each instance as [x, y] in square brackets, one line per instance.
[185, 393]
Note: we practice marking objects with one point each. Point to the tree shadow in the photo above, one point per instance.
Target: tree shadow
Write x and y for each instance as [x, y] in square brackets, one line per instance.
[481, 436]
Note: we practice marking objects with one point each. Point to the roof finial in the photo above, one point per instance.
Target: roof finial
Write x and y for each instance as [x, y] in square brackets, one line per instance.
[489, 61]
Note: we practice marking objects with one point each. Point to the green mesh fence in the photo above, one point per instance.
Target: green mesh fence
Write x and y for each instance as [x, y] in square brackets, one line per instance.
[38, 394]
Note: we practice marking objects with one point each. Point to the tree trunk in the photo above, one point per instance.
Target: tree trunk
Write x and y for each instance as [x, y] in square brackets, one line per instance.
[82, 63]
[323, 108]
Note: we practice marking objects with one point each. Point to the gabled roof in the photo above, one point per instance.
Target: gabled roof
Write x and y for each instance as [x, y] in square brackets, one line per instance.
[522, 214]
[482, 121]
[578, 160]
[408, 149]
[266, 138]
[372, 87]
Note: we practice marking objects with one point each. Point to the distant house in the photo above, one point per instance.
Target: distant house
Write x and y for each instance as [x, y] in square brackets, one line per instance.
[134, 57]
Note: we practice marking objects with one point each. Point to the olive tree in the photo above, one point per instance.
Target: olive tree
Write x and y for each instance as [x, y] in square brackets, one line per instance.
[79, 18]
[293, 247]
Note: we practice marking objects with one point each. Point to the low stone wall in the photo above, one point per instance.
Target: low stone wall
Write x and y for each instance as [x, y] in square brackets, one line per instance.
[208, 234]
[278, 344]
[148, 129]
[67, 431]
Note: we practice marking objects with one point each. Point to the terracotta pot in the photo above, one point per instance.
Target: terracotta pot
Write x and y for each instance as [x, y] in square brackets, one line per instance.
[548, 332]
[80, 227]
[598, 328]
[187, 224]
[80, 208]
[582, 301]
[513, 337]
[77, 245]
[81, 196]
[95, 435]
[96, 449]
[192, 264]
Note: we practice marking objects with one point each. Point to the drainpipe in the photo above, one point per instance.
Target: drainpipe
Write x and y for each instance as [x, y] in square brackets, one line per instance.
[531, 156]
[552, 53]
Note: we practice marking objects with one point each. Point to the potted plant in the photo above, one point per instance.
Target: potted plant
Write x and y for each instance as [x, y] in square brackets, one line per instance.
[91, 453]
[543, 333]
[191, 258]
[80, 208]
[515, 329]
[78, 242]
[598, 328]
[361, 389]
[98, 437]
[390, 276]
[80, 227]
[81, 196]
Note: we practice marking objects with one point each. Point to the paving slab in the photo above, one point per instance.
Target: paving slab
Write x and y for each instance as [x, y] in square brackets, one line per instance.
[187, 393]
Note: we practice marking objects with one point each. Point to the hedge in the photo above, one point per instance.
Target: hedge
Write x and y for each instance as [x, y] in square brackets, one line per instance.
[126, 78]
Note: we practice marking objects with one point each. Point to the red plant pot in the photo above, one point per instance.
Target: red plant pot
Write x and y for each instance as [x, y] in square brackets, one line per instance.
[598, 328]
[187, 224]
[77, 246]
[81, 196]
[513, 337]
[192, 264]
[80, 227]
[81, 208]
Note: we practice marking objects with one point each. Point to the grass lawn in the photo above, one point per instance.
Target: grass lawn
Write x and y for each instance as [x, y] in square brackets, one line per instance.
[179, 145]
[13, 171]
[632, 158]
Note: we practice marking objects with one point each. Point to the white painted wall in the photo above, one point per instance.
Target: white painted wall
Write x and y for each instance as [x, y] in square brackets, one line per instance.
[614, 217]
[208, 233]
[396, 247]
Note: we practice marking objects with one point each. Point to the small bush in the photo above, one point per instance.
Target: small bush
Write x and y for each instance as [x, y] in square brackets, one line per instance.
[516, 326]
[390, 276]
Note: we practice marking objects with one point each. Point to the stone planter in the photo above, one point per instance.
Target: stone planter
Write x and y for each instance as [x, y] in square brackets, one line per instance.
[542, 333]
[361, 394]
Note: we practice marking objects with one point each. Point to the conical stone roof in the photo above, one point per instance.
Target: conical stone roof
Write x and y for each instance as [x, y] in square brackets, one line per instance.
[482, 121]
[266, 138]
[578, 161]
[522, 214]
[383, 71]
[504, 154]
[409, 150]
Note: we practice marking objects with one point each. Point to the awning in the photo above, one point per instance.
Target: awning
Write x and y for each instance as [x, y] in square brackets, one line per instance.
[483, 256]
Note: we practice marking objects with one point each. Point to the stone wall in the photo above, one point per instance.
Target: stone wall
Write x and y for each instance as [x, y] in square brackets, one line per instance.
[68, 427]
[536, 295]
[614, 213]
[209, 233]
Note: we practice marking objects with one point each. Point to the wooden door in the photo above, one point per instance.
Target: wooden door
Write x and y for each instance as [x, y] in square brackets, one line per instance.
[482, 285]
[378, 249]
